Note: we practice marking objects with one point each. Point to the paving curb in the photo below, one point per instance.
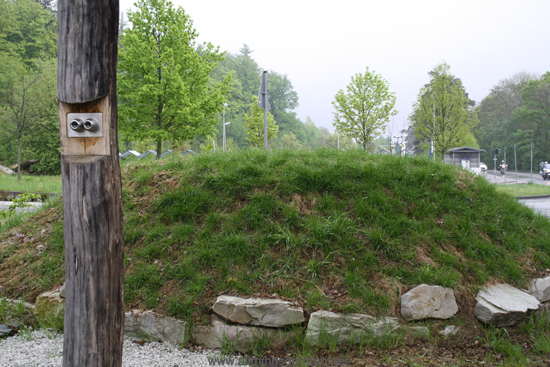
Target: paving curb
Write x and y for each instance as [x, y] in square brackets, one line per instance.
[533, 197]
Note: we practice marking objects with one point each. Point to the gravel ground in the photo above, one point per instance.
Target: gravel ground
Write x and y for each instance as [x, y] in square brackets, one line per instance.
[39, 348]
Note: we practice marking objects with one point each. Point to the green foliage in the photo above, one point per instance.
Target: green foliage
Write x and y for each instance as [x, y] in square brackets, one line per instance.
[343, 231]
[283, 99]
[443, 112]
[28, 32]
[164, 85]
[28, 113]
[507, 119]
[365, 109]
[254, 125]
[20, 202]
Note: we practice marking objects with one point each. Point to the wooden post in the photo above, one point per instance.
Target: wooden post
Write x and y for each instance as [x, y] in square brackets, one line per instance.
[92, 202]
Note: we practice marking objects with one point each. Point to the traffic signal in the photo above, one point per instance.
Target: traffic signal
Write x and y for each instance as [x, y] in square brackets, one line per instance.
[497, 151]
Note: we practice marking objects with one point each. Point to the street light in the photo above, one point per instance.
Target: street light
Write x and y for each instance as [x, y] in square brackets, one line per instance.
[224, 143]
[223, 123]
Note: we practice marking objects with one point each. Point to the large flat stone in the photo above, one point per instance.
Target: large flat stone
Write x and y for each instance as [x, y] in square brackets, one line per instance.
[503, 305]
[325, 325]
[540, 289]
[428, 301]
[257, 311]
[240, 338]
[151, 326]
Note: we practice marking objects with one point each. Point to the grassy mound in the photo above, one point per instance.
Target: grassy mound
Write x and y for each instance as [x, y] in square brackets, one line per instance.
[345, 231]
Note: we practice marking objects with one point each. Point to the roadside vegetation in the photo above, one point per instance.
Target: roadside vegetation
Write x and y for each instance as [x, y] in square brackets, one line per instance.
[524, 189]
[31, 183]
[341, 231]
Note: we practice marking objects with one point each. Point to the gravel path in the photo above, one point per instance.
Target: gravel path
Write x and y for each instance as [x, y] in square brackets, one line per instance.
[41, 349]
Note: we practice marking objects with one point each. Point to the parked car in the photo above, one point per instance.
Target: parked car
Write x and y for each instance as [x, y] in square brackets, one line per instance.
[483, 166]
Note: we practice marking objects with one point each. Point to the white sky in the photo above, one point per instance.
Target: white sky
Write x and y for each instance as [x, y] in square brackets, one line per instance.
[321, 44]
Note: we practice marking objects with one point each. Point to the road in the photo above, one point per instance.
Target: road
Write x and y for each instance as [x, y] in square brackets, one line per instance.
[541, 205]
[513, 178]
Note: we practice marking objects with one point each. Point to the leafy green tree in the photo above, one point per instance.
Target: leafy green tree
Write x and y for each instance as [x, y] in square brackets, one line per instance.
[499, 124]
[532, 120]
[43, 143]
[27, 102]
[443, 112]
[164, 85]
[254, 125]
[289, 141]
[365, 109]
[283, 99]
[28, 31]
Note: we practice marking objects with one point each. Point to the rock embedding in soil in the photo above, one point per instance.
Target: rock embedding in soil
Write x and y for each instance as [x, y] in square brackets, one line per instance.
[427, 301]
[258, 312]
[503, 305]
[240, 321]
[347, 328]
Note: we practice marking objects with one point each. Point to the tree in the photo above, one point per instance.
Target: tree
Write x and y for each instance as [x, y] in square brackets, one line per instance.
[164, 85]
[282, 100]
[504, 121]
[254, 125]
[26, 101]
[28, 31]
[289, 141]
[443, 112]
[365, 109]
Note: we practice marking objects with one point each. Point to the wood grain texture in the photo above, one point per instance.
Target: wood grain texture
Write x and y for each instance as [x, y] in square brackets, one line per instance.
[86, 146]
[92, 191]
[94, 262]
[87, 49]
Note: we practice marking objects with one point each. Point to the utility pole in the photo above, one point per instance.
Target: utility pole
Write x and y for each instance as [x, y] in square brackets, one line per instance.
[92, 200]
[223, 126]
[263, 103]
[532, 162]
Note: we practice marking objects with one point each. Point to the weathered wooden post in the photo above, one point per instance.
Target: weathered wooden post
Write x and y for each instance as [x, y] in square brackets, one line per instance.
[92, 203]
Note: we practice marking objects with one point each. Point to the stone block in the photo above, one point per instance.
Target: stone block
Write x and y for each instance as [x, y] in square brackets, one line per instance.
[427, 301]
[49, 306]
[151, 326]
[540, 289]
[325, 325]
[257, 311]
[241, 338]
[503, 305]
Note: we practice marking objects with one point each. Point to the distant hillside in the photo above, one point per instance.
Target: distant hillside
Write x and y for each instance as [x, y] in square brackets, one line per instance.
[346, 231]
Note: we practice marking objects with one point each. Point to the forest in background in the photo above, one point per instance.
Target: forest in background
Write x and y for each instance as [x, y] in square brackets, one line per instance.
[516, 111]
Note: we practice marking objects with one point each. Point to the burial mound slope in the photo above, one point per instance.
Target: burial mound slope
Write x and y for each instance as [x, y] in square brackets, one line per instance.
[340, 231]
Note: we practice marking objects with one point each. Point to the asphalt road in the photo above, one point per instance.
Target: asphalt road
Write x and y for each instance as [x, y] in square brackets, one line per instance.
[540, 205]
[513, 178]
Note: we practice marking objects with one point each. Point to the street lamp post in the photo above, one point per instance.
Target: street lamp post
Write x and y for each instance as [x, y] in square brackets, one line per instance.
[224, 140]
[223, 124]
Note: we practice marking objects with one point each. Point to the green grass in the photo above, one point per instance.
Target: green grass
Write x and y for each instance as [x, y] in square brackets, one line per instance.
[31, 183]
[525, 189]
[346, 231]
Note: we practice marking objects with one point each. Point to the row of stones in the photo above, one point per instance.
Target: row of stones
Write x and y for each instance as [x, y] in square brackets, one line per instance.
[241, 321]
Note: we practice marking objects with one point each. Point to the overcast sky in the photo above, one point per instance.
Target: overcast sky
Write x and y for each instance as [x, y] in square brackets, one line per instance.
[321, 44]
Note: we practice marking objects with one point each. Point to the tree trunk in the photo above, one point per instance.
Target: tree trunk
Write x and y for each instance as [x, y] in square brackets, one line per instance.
[159, 149]
[94, 261]
[19, 158]
[92, 200]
